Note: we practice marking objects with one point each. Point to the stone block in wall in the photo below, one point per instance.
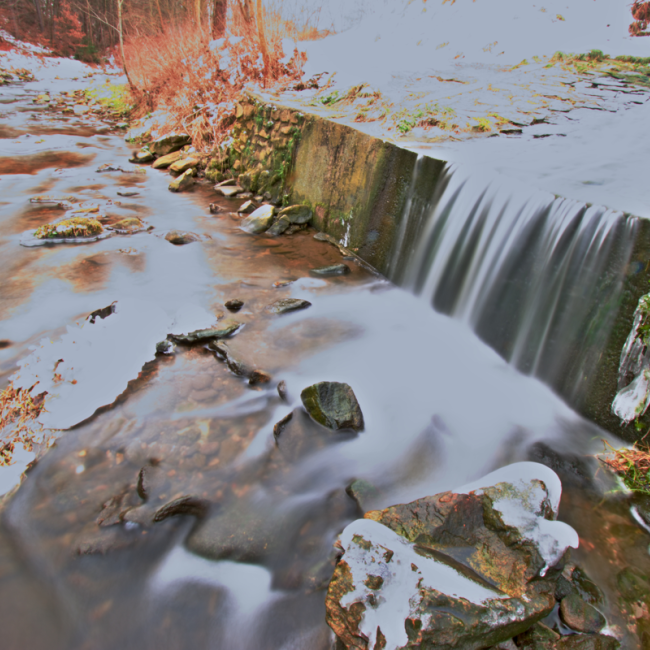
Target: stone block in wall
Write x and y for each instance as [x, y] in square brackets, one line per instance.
[286, 130]
[249, 110]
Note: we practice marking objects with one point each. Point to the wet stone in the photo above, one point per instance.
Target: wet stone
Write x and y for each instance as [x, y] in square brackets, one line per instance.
[538, 637]
[228, 190]
[128, 225]
[165, 161]
[258, 221]
[287, 305]
[225, 329]
[587, 642]
[165, 347]
[282, 390]
[362, 492]
[256, 377]
[183, 164]
[633, 585]
[279, 227]
[333, 404]
[183, 182]
[279, 426]
[223, 352]
[185, 505]
[247, 207]
[180, 238]
[142, 157]
[331, 271]
[215, 208]
[128, 194]
[299, 214]
[234, 305]
[581, 616]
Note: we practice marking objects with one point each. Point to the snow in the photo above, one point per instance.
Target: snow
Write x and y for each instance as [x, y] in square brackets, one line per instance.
[10, 474]
[92, 363]
[633, 400]
[397, 596]
[533, 484]
[417, 35]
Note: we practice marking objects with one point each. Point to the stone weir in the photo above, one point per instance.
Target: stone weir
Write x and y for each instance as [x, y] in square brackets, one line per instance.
[550, 283]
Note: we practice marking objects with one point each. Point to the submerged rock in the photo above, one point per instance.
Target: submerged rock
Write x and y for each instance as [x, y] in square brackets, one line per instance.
[297, 213]
[258, 221]
[180, 238]
[165, 161]
[333, 404]
[287, 305]
[225, 329]
[282, 391]
[183, 182]
[538, 637]
[467, 569]
[215, 208]
[362, 492]
[331, 271]
[169, 143]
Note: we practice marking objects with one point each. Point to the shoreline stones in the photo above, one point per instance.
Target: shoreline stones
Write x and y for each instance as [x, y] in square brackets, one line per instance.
[169, 143]
[334, 405]
[298, 214]
[331, 271]
[259, 220]
[226, 328]
[288, 304]
[234, 305]
[142, 157]
[466, 569]
[183, 182]
[183, 164]
[165, 161]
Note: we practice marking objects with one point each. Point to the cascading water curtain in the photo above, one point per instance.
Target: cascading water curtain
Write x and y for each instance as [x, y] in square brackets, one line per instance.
[538, 278]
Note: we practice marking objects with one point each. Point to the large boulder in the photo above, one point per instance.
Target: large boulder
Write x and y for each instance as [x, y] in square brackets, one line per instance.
[259, 221]
[460, 570]
[169, 143]
[333, 404]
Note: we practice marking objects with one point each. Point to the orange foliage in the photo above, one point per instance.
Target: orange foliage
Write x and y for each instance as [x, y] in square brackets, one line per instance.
[67, 31]
[641, 14]
[197, 81]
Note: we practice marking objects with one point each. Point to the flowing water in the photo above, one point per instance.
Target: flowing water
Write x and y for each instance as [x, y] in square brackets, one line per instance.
[248, 566]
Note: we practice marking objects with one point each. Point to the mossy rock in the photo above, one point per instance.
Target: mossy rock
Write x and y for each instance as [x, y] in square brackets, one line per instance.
[70, 228]
[128, 225]
[333, 404]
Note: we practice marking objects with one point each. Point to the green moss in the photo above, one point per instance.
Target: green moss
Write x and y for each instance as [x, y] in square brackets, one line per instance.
[75, 227]
[115, 97]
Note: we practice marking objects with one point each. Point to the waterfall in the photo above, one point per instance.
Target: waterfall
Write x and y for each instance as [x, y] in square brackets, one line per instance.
[537, 277]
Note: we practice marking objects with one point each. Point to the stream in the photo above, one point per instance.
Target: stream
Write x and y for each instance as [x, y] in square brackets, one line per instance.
[244, 564]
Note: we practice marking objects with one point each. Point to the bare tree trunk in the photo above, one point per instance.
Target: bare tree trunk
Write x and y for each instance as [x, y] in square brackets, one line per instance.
[263, 45]
[162, 22]
[219, 16]
[120, 28]
[197, 12]
[39, 14]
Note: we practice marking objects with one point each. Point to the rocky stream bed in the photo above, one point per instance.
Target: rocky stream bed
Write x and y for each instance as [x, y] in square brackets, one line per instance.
[261, 443]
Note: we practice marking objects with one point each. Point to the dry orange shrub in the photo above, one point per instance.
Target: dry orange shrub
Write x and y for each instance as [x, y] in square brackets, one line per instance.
[18, 413]
[196, 81]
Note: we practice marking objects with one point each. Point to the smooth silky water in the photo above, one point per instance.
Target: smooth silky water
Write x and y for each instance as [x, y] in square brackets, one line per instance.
[441, 407]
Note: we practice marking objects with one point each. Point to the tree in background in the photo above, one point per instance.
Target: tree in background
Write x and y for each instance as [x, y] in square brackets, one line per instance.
[641, 14]
[67, 32]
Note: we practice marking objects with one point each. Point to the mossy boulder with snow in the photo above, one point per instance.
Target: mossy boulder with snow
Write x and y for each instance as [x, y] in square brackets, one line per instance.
[73, 228]
[466, 569]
